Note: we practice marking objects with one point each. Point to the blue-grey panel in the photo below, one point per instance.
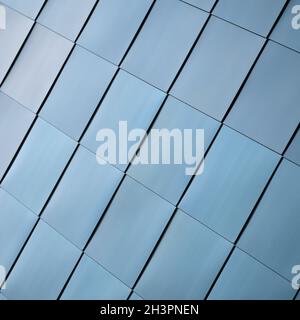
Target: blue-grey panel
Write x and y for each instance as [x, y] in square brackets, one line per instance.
[16, 222]
[88, 76]
[235, 172]
[284, 32]
[185, 263]
[134, 296]
[255, 15]
[217, 67]
[92, 282]
[36, 67]
[246, 279]
[273, 233]
[164, 42]
[29, 8]
[129, 219]
[266, 110]
[293, 152]
[202, 4]
[170, 180]
[15, 121]
[298, 296]
[17, 28]
[66, 17]
[129, 231]
[38, 165]
[2, 297]
[112, 27]
[129, 99]
[43, 267]
[81, 197]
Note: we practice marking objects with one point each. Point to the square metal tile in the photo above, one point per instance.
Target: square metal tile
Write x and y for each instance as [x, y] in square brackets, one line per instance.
[29, 8]
[113, 26]
[36, 67]
[129, 231]
[12, 38]
[244, 278]
[164, 41]
[185, 263]
[16, 225]
[81, 197]
[38, 165]
[92, 282]
[272, 235]
[66, 17]
[254, 15]
[266, 110]
[217, 67]
[236, 171]
[43, 267]
[15, 121]
[87, 76]
[128, 99]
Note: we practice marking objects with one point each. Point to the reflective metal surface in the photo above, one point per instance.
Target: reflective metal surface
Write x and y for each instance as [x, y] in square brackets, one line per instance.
[246, 279]
[293, 152]
[185, 263]
[266, 110]
[81, 197]
[254, 15]
[273, 232]
[17, 28]
[223, 199]
[284, 32]
[66, 17]
[113, 26]
[36, 68]
[29, 8]
[170, 180]
[169, 33]
[128, 99]
[129, 231]
[39, 165]
[217, 67]
[86, 74]
[72, 228]
[92, 282]
[43, 267]
[134, 296]
[16, 224]
[202, 4]
[15, 121]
